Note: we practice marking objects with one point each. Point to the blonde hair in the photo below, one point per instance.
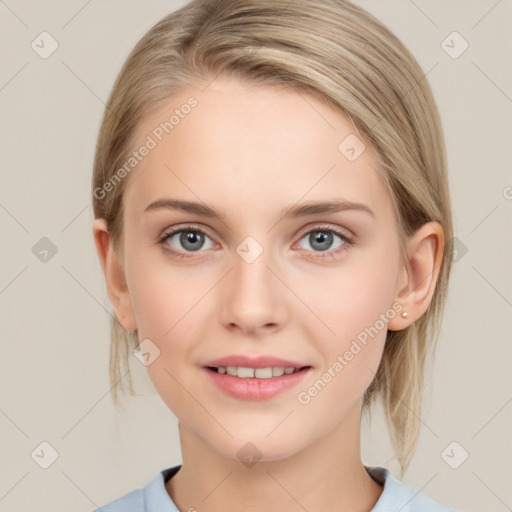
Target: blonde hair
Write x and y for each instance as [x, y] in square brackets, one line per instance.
[342, 55]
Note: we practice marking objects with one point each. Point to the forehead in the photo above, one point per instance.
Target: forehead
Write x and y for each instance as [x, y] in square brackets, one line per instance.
[244, 146]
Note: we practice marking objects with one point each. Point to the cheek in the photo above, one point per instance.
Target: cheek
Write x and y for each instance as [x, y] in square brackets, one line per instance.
[355, 305]
[357, 314]
[354, 295]
[164, 295]
[169, 307]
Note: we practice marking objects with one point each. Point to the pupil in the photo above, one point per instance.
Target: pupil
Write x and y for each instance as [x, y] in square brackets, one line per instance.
[323, 239]
[191, 237]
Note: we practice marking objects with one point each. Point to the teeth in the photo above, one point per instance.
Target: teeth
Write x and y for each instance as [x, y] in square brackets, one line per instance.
[245, 372]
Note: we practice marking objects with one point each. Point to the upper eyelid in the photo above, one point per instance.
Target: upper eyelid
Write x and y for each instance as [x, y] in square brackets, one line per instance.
[320, 226]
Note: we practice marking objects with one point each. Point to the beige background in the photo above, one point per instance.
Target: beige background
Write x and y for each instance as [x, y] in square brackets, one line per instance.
[54, 328]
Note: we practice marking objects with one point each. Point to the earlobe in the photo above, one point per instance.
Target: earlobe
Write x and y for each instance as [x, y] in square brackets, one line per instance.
[113, 271]
[425, 253]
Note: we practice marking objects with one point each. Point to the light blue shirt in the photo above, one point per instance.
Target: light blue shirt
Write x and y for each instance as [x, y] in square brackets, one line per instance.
[395, 497]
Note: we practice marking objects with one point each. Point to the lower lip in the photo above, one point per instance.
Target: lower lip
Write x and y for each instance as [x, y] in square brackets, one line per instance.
[256, 389]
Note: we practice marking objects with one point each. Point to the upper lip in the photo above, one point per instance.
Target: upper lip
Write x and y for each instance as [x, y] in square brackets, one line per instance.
[263, 361]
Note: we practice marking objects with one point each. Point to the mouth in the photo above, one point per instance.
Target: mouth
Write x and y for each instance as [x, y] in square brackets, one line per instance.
[247, 372]
[255, 377]
[255, 384]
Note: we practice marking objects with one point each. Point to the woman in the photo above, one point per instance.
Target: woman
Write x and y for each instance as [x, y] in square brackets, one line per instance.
[274, 225]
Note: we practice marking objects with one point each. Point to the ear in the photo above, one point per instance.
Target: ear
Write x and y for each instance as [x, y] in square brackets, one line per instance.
[114, 275]
[417, 280]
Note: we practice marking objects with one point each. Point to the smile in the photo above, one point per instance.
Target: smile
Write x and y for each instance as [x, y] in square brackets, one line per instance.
[246, 372]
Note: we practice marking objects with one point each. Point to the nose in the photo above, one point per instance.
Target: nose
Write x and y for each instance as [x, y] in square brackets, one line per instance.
[253, 298]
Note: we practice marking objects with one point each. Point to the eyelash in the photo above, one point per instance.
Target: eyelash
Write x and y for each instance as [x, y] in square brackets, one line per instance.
[348, 241]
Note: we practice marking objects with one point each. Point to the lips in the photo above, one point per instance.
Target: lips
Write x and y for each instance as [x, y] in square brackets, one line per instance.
[255, 389]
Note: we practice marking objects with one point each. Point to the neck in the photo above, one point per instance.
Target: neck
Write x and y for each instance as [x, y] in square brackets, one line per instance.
[326, 476]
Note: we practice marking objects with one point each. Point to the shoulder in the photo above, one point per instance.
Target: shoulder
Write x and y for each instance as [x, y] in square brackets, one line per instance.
[151, 498]
[398, 496]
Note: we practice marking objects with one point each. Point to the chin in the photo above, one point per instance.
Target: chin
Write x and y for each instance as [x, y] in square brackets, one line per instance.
[252, 449]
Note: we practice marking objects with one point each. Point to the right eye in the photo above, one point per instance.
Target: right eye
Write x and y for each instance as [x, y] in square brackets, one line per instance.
[190, 238]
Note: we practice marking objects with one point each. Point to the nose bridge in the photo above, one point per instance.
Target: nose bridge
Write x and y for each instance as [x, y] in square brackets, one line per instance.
[251, 270]
[253, 298]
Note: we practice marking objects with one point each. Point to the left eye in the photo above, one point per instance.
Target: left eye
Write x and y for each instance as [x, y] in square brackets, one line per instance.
[321, 239]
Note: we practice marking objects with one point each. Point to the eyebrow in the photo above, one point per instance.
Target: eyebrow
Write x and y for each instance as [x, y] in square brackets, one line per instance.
[302, 210]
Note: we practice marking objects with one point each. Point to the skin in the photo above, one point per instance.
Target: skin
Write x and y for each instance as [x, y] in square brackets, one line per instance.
[248, 152]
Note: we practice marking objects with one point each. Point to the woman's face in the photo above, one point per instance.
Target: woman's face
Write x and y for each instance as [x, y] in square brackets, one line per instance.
[259, 279]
